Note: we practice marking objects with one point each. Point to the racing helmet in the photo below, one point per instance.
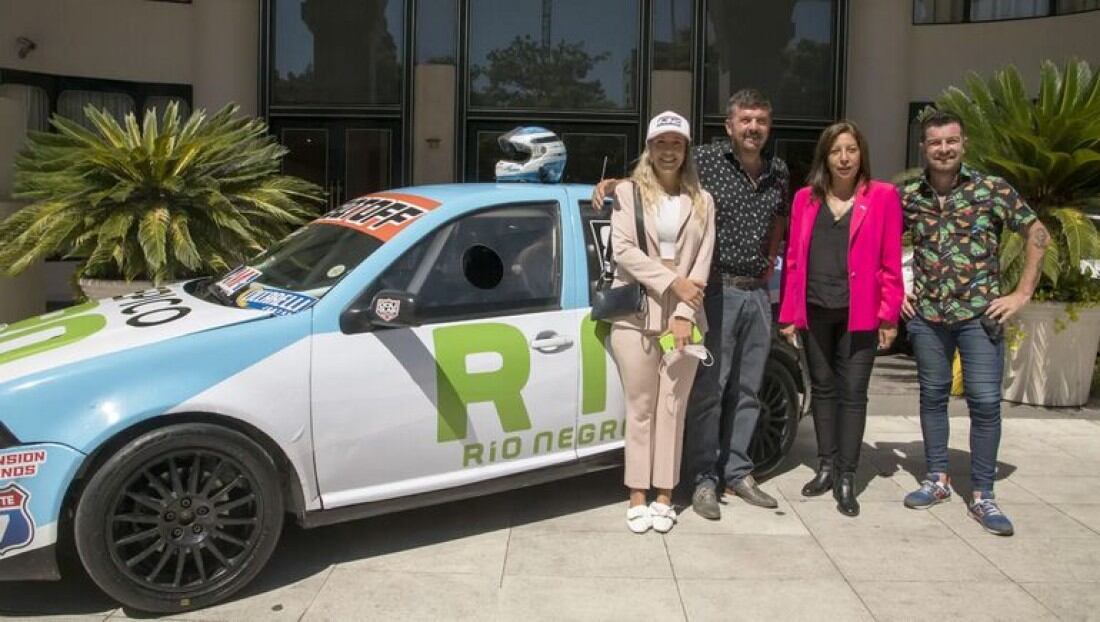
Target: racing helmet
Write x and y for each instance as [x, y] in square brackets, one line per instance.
[532, 154]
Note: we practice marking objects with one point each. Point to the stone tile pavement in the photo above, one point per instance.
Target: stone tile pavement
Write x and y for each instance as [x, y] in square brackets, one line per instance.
[561, 551]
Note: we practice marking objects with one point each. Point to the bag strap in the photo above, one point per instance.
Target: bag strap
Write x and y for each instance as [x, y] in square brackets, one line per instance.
[639, 223]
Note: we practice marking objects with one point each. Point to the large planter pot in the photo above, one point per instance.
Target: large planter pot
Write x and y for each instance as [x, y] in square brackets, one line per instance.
[101, 288]
[1050, 352]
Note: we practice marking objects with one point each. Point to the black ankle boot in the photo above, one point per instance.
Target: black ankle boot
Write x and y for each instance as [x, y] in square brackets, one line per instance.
[821, 483]
[845, 494]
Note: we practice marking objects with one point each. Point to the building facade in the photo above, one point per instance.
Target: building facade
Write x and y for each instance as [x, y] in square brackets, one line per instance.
[370, 94]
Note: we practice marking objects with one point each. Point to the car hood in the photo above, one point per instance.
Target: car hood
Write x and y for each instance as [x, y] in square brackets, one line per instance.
[102, 327]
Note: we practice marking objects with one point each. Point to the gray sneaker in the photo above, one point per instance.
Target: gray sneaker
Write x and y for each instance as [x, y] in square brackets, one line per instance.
[705, 502]
[751, 493]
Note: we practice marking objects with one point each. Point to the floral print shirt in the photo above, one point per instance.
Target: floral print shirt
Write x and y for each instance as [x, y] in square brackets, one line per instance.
[956, 273]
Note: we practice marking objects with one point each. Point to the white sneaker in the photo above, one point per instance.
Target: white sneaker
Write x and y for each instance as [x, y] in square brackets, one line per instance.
[662, 516]
[637, 519]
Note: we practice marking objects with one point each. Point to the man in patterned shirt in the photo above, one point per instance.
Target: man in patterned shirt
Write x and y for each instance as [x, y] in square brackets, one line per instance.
[750, 191]
[956, 215]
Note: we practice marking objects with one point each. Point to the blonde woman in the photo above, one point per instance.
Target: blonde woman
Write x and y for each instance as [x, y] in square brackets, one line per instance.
[678, 220]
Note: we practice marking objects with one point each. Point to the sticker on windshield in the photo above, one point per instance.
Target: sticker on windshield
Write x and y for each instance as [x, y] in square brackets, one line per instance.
[235, 280]
[381, 215]
[278, 301]
[336, 271]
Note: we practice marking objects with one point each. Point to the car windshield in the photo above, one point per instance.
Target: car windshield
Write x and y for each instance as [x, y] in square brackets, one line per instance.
[308, 262]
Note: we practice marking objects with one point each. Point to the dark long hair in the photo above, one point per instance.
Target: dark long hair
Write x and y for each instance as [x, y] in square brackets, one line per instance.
[819, 178]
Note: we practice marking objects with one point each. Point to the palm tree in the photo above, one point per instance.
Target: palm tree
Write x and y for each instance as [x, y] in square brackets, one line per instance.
[160, 201]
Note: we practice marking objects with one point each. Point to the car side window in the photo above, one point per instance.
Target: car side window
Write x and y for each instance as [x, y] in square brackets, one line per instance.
[597, 235]
[501, 261]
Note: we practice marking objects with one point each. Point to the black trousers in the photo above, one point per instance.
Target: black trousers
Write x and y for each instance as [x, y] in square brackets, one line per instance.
[840, 370]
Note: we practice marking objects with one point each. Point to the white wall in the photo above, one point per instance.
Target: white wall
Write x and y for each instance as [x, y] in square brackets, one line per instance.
[892, 62]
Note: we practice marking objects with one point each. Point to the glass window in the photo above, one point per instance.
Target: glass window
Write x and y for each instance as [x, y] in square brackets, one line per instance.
[503, 261]
[597, 235]
[436, 32]
[988, 10]
[160, 102]
[554, 54]
[784, 48]
[337, 52]
[71, 104]
[1076, 6]
[938, 11]
[672, 22]
[367, 154]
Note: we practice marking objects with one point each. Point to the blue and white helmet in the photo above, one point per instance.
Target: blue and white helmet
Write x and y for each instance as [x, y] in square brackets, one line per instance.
[532, 154]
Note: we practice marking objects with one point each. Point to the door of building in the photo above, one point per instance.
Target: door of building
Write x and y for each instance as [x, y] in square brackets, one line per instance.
[348, 158]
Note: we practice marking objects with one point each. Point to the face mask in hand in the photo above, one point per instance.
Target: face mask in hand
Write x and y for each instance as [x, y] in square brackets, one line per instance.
[696, 350]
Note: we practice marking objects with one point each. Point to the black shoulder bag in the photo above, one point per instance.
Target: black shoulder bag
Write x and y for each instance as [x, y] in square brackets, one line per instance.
[610, 303]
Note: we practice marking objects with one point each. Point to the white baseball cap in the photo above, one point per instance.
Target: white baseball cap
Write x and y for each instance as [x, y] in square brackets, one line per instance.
[668, 122]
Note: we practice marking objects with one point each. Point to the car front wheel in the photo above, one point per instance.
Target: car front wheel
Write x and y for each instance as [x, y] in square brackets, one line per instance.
[778, 422]
[179, 518]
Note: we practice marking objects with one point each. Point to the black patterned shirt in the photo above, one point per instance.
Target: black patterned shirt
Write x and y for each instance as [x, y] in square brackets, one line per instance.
[745, 211]
[956, 273]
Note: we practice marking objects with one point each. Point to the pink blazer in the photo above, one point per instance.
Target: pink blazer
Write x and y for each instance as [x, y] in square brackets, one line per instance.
[874, 257]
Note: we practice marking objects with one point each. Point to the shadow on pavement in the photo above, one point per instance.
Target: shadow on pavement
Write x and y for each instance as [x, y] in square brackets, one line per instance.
[303, 553]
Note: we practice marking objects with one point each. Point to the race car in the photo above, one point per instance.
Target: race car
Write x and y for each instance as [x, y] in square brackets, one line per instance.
[408, 348]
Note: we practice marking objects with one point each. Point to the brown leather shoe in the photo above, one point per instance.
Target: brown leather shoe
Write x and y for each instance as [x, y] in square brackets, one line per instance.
[751, 493]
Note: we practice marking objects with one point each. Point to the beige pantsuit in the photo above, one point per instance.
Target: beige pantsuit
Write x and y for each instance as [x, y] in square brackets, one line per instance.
[656, 392]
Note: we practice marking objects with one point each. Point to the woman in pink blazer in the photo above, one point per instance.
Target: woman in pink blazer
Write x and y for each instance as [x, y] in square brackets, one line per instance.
[842, 290]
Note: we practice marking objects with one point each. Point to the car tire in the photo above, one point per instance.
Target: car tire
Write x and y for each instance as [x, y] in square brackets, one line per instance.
[179, 518]
[779, 415]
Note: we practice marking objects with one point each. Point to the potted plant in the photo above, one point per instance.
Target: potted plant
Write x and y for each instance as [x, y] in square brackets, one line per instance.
[1048, 148]
[143, 205]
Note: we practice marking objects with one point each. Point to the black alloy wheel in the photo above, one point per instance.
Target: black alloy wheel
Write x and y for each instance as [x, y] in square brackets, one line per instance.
[778, 423]
[180, 518]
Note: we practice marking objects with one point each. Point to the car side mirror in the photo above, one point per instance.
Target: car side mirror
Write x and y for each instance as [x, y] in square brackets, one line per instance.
[388, 308]
[392, 308]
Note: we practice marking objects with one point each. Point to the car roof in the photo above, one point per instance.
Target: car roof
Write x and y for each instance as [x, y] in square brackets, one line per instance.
[471, 195]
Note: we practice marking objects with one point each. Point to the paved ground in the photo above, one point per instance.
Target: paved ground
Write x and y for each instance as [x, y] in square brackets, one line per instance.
[562, 552]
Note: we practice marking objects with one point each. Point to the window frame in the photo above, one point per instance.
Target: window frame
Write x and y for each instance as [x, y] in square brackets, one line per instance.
[364, 299]
[967, 17]
[55, 84]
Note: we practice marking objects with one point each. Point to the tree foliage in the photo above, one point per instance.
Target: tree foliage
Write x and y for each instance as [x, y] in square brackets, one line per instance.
[528, 74]
[160, 201]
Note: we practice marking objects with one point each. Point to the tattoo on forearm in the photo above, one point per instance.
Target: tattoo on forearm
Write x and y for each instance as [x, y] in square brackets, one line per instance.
[1040, 238]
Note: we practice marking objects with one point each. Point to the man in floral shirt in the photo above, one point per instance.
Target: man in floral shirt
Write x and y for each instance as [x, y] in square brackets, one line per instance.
[956, 215]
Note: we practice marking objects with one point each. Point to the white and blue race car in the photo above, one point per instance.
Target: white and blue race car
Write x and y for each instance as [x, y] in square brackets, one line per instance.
[408, 348]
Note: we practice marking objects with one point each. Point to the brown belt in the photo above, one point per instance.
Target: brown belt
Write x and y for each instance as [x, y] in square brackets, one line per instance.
[743, 282]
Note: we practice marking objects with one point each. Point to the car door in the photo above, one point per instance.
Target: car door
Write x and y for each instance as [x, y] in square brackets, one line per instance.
[484, 386]
[601, 407]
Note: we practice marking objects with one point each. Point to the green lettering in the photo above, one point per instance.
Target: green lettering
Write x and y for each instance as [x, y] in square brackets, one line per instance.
[510, 447]
[565, 438]
[546, 435]
[586, 434]
[607, 429]
[74, 327]
[593, 365]
[471, 452]
[457, 388]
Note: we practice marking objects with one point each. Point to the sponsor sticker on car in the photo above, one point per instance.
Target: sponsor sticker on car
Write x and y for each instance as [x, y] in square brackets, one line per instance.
[277, 301]
[16, 524]
[237, 279]
[382, 215]
[21, 464]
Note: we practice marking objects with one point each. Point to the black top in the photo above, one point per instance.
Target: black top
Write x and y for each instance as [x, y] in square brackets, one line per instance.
[827, 272]
[744, 211]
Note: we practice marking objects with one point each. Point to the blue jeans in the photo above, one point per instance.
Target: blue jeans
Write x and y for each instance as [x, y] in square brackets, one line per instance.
[723, 408]
[934, 345]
